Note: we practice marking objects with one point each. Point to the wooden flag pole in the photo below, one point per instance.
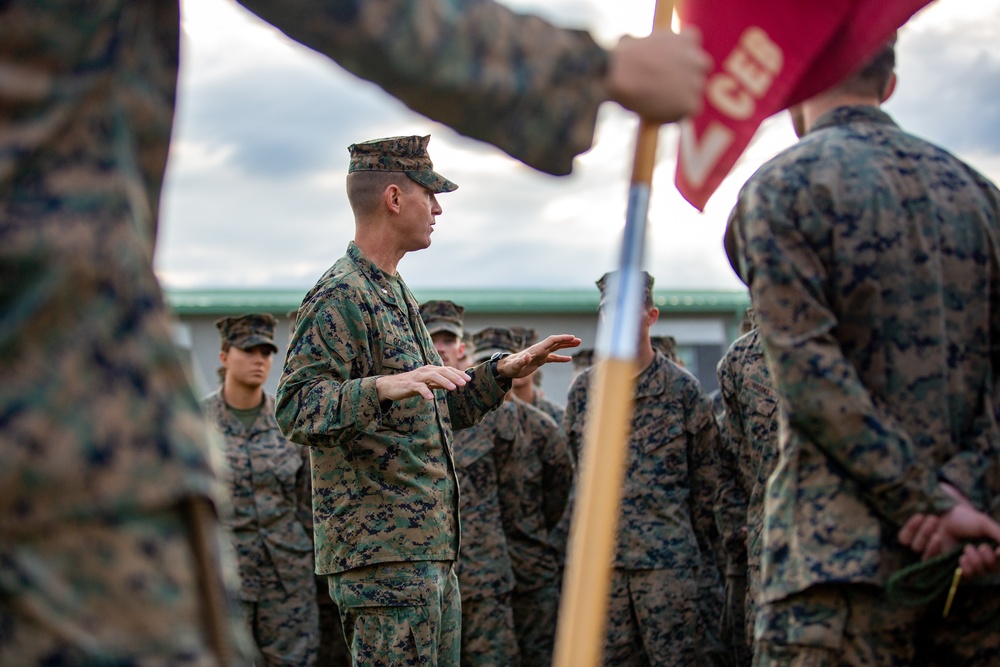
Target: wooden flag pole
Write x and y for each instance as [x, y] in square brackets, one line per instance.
[583, 608]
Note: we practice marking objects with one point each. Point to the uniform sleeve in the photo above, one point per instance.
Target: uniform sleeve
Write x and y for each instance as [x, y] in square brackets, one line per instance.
[468, 405]
[323, 395]
[730, 499]
[703, 466]
[576, 406]
[557, 474]
[824, 397]
[304, 493]
[515, 81]
[973, 471]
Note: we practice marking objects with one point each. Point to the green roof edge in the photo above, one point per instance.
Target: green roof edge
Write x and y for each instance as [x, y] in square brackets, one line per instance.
[492, 300]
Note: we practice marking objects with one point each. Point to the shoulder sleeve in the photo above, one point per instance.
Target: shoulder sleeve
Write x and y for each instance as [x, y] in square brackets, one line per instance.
[326, 394]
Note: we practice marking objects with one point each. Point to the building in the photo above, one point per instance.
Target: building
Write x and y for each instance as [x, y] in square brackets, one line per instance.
[704, 323]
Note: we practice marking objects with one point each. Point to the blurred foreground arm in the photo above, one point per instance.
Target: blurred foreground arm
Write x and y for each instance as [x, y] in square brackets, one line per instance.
[660, 77]
[515, 81]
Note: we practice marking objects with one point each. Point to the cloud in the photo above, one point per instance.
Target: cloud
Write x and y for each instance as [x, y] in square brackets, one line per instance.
[255, 186]
[949, 84]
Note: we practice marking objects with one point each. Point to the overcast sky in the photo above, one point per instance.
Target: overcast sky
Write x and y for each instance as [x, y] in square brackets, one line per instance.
[255, 184]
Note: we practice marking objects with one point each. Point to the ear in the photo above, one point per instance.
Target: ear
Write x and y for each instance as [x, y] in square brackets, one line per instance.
[652, 315]
[393, 196]
[223, 357]
[889, 87]
[461, 349]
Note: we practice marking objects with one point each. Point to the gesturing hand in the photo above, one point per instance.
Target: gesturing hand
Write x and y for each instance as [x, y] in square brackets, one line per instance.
[419, 382]
[529, 360]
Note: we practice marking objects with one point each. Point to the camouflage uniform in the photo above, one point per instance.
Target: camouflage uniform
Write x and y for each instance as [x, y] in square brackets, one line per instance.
[873, 266]
[668, 346]
[666, 579]
[485, 573]
[385, 501]
[534, 488]
[332, 650]
[110, 433]
[485, 576]
[101, 458]
[271, 524]
[748, 455]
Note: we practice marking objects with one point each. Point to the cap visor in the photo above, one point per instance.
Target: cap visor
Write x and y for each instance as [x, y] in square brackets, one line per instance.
[433, 181]
[254, 341]
[484, 354]
[438, 327]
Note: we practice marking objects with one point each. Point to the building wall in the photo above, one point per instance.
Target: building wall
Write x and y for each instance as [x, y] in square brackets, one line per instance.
[701, 339]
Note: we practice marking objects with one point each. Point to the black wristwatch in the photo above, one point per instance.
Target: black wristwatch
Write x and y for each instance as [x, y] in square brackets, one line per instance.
[494, 362]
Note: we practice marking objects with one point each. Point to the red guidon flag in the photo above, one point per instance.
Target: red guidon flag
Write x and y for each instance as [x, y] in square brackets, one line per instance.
[770, 55]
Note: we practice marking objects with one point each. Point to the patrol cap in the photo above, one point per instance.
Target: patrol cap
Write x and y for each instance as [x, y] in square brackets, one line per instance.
[405, 154]
[603, 284]
[492, 340]
[583, 358]
[443, 316]
[246, 331]
[665, 344]
[526, 336]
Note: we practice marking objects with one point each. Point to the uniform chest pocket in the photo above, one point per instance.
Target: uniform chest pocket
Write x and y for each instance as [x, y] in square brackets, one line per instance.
[469, 448]
[758, 398]
[655, 434]
[287, 470]
[399, 353]
[400, 359]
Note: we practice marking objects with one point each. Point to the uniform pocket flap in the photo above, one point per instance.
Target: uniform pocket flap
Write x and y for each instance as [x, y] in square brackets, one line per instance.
[399, 359]
[390, 592]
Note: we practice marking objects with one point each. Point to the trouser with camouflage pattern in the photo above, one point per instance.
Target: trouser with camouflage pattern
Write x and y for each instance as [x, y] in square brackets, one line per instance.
[400, 613]
[855, 625]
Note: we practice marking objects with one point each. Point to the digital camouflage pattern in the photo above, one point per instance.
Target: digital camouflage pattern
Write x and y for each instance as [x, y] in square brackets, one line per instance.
[536, 613]
[486, 342]
[385, 494]
[383, 476]
[514, 81]
[271, 526]
[100, 454]
[333, 650]
[667, 517]
[559, 536]
[82, 594]
[400, 613]
[856, 626]
[488, 638]
[485, 574]
[246, 331]
[443, 315]
[549, 407]
[873, 267]
[404, 154]
[535, 484]
[484, 566]
[87, 107]
[285, 627]
[667, 345]
[653, 620]
[748, 455]
[582, 360]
